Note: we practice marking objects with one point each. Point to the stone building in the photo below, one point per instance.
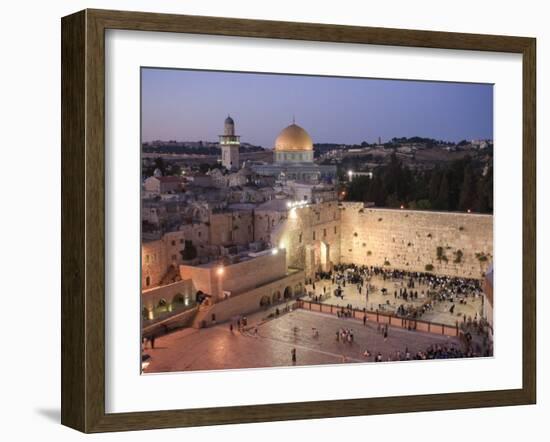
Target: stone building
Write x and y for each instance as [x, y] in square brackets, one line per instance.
[160, 259]
[231, 226]
[310, 234]
[163, 184]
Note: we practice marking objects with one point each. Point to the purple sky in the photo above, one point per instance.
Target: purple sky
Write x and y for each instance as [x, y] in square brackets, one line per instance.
[192, 105]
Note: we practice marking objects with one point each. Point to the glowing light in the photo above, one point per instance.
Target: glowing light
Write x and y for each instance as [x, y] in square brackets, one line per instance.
[220, 271]
[289, 204]
[281, 245]
[402, 206]
[469, 211]
[275, 251]
[293, 214]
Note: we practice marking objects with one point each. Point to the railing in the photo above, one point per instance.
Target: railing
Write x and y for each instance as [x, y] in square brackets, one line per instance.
[382, 318]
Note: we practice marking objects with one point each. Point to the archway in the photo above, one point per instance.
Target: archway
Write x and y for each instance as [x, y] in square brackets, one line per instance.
[265, 301]
[178, 299]
[276, 297]
[298, 289]
[288, 293]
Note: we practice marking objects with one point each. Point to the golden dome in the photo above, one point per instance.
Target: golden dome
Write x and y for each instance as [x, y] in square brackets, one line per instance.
[293, 138]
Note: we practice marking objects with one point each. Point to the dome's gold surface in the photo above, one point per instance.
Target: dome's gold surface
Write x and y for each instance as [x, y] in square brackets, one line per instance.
[293, 138]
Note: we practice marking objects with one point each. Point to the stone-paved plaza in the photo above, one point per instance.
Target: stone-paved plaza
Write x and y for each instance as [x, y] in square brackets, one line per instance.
[268, 343]
[440, 314]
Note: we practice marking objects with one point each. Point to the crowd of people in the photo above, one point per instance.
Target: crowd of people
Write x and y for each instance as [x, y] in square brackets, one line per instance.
[345, 335]
[415, 292]
[435, 351]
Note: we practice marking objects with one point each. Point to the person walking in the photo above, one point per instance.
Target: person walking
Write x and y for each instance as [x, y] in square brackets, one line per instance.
[293, 355]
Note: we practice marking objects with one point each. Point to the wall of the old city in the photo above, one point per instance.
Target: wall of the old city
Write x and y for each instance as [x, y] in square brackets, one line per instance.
[409, 240]
[249, 301]
[238, 277]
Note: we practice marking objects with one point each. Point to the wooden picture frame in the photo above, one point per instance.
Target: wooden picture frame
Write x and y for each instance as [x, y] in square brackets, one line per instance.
[83, 220]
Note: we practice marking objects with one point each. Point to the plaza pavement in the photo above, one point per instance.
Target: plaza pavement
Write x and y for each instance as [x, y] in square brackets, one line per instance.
[440, 314]
[219, 348]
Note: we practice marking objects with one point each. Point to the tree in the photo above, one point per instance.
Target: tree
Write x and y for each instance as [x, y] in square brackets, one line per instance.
[468, 191]
[392, 200]
[442, 202]
[435, 181]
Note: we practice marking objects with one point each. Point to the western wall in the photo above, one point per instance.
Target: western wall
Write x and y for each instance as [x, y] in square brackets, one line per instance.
[455, 244]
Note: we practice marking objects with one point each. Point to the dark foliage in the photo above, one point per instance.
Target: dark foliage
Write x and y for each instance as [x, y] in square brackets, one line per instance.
[459, 186]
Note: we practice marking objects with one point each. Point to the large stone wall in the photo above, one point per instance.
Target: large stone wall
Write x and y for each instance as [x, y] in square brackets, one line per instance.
[302, 232]
[249, 301]
[238, 277]
[409, 240]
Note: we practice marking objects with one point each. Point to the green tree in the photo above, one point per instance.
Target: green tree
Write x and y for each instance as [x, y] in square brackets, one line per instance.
[442, 201]
[468, 190]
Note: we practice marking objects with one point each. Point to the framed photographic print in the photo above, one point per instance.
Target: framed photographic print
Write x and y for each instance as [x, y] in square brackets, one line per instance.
[267, 221]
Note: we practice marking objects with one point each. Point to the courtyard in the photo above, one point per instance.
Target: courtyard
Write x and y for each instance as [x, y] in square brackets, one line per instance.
[386, 302]
[269, 342]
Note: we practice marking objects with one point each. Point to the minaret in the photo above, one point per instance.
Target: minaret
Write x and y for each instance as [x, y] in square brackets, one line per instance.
[229, 143]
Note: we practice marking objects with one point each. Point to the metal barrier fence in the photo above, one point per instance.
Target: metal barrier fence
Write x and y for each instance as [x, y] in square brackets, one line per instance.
[382, 318]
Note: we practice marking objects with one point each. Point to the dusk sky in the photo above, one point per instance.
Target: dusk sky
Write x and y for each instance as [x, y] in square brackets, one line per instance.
[188, 105]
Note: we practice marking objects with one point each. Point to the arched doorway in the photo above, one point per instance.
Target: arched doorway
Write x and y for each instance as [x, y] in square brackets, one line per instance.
[265, 301]
[319, 257]
[178, 299]
[276, 297]
[288, 293]
[324, 256]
